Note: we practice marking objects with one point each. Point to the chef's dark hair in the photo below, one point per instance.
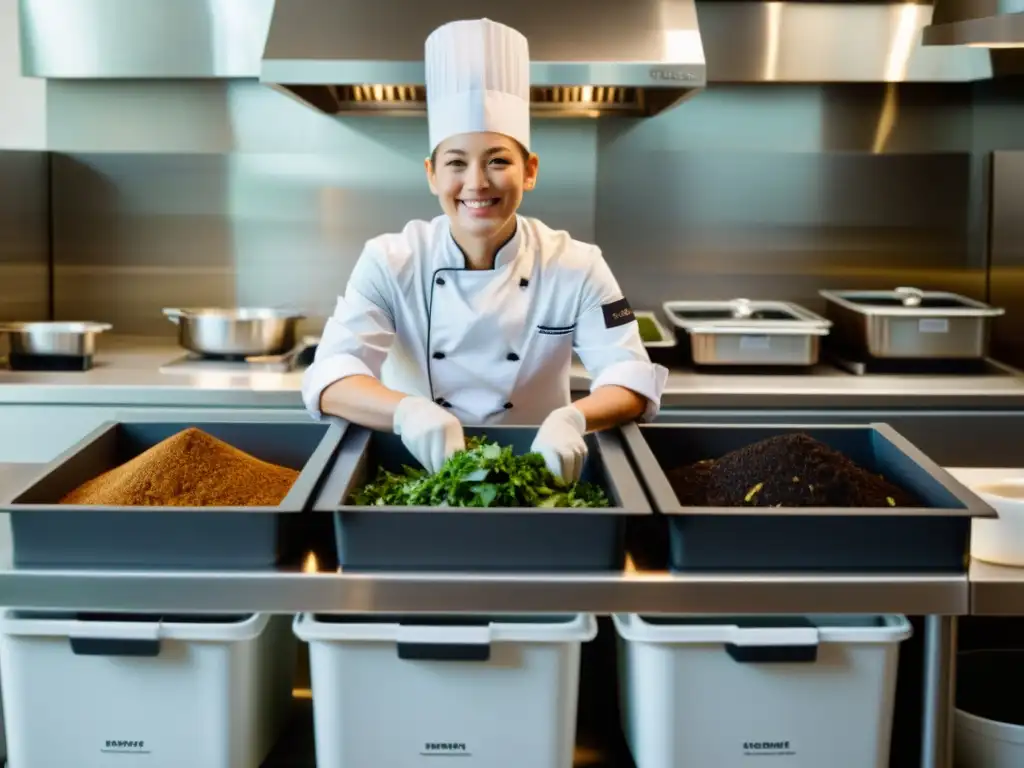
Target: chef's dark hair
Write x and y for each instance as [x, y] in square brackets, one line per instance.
[522, 151]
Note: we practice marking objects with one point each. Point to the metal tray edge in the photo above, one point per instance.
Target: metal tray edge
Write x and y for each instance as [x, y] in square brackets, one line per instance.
[623, 485]
[666, 502]
[298, 499]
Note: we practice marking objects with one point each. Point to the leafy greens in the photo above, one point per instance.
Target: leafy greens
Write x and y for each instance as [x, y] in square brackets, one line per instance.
[484, 475]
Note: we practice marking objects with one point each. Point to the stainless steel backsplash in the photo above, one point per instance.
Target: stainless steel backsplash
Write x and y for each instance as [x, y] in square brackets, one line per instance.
[236, 195]
[1006, 278]
[24, 235]
[212, 193]
[777, 191]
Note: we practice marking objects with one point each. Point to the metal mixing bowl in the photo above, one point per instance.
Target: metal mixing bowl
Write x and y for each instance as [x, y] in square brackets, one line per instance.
[235, 332]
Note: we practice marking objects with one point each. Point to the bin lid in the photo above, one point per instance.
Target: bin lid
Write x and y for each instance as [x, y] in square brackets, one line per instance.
[469, 629]
[754, 629]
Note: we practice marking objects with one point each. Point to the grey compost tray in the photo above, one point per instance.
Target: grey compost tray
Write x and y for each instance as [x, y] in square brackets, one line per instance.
[49, 534]
[932, 538]
[492, 539]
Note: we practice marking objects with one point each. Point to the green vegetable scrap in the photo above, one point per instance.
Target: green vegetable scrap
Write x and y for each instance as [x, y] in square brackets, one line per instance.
[648, 330]
[484, 475]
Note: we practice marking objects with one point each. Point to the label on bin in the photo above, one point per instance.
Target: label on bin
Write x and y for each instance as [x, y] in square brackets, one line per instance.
[768, 749]
[129, 746]
[755, 342]
[445, 749]
[933, 325]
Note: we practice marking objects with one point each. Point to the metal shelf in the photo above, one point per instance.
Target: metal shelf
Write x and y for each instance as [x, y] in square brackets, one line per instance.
[645, 592]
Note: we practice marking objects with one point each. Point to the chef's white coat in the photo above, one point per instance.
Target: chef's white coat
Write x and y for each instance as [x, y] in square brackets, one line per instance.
[495, 346]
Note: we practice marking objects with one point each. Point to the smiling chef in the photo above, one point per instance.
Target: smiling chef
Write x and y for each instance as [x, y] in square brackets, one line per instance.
[472, 317]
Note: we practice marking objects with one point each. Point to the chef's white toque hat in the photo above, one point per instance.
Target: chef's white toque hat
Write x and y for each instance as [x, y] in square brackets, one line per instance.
[478, 79]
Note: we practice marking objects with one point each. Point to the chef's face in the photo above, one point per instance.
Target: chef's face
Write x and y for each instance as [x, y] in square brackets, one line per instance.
[479, 179]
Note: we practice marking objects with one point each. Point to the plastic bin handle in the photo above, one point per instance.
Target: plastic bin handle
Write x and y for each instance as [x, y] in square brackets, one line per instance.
[115, 639]
[787, 645]
[444, 643]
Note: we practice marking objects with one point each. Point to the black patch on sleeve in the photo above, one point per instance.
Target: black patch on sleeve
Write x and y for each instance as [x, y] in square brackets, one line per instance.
[617, 313]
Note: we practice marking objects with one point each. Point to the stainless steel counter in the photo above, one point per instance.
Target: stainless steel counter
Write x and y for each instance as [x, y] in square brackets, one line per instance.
[139, 371]
[996, 590]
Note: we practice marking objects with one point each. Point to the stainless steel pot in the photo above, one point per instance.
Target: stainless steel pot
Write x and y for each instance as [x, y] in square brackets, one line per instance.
[743, 332]
[910, 323]
[74, 339]
[235, 332]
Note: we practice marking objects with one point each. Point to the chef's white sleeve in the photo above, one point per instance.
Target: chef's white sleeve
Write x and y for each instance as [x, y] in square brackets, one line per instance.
[357, 337]
[607, 340]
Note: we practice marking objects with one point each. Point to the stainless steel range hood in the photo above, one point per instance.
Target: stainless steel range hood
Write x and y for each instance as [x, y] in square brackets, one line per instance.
[588, 57]
[976, 23]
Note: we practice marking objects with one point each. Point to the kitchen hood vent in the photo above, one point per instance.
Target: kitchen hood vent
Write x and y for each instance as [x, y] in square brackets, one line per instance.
[977, 23]
[558, 101]
[588, 57]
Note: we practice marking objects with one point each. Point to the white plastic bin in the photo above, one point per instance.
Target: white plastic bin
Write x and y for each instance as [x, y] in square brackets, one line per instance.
[989, 724]
[722, 691]
[144, 692]
[476, 693]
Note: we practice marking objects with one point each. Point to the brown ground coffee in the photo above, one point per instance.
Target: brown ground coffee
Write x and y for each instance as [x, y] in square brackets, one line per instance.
[188, 469]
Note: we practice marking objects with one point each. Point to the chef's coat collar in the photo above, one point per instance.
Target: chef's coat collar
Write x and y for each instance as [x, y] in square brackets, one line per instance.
[506, 254]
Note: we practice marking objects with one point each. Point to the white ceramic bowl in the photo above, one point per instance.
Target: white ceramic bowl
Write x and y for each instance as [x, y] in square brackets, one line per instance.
[1000, 540]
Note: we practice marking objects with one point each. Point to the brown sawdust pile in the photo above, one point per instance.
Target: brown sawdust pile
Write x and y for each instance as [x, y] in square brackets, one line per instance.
[188, 469]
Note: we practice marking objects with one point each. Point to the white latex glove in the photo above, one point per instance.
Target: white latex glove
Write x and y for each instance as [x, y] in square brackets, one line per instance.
[431, 433]
[560, 441]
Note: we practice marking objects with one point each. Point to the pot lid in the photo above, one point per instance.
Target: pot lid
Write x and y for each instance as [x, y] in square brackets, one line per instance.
[742, 314]
[906, 298]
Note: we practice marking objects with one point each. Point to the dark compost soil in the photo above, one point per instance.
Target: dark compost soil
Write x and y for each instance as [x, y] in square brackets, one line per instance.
[793, 470]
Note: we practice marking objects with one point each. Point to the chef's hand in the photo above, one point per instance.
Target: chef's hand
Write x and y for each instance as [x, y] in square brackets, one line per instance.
[431, 433]
[560, 441]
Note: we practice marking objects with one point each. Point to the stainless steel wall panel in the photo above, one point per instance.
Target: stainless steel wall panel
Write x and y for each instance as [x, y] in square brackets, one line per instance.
[232, 193]
[171, 117]
[776, 192]
[1006, 283]
[22, 99]
[137, 232]
[24, 235]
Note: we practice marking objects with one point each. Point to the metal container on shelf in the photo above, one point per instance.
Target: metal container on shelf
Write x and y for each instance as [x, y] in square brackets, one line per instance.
[744, 332]
[910, 323]
[236, 332]
[65, 339]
